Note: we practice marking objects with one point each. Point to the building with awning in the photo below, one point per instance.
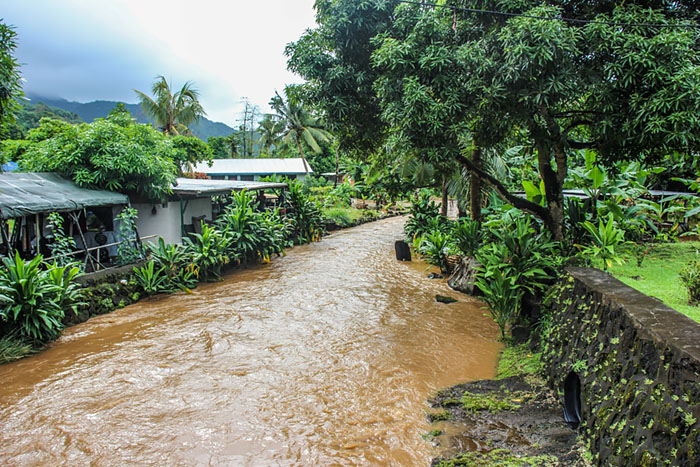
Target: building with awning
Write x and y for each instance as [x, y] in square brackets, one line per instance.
[191, 203]
[253, 169]
[26, 199]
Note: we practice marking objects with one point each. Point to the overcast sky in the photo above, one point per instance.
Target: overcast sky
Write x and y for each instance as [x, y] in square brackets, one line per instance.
[85, 50]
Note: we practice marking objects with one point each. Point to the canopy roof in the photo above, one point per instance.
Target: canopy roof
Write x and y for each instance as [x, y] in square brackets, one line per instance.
[260, 166]
[200, 187]
[22, 194]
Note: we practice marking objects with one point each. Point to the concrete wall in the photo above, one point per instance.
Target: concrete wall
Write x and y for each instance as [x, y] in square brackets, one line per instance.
[166, 222]
[638, 365]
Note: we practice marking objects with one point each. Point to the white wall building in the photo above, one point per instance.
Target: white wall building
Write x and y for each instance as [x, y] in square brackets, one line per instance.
[253, 169]
[191, 201]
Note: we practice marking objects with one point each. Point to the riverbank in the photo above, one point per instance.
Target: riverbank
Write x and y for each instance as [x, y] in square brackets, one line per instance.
[109, 290]
[513, 420]
[323, 357]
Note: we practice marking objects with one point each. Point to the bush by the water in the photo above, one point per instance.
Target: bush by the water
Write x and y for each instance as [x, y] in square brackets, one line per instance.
[34, 298]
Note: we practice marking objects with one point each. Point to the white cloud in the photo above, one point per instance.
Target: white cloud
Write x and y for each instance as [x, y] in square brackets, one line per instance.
[85, 50]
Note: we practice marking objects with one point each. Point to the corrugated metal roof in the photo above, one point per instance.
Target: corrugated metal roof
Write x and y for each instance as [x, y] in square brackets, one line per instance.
[22, 194]
[253, 167]
[197, 187]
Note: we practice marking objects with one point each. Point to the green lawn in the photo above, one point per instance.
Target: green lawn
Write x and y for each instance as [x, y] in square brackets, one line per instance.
[658, 276]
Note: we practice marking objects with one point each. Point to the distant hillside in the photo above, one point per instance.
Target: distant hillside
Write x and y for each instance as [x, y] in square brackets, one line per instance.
[28, 116]
[99, 109]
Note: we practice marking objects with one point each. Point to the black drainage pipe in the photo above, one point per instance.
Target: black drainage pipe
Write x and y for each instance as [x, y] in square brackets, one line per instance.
[572, 400]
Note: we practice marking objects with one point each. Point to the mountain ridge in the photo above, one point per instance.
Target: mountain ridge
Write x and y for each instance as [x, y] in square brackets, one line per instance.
[89, 111]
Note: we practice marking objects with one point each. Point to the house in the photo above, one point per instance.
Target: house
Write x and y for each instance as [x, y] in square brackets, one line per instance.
[191, 203]
[253, 169]
[26, 200]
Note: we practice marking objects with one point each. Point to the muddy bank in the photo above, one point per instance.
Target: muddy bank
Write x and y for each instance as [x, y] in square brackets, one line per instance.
[511, 421]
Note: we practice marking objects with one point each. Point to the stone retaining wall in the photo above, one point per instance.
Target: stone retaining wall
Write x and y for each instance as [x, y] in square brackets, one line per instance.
[638, 365]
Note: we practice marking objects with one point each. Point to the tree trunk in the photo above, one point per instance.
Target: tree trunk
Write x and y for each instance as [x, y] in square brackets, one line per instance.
[336, 166]
[443, 208]
[301, 151]
[475, 187]
[554, 195]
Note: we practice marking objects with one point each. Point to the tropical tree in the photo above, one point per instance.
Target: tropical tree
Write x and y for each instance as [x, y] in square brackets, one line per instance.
[299, 124]
[224, 147]
[172, 112]
[10, 79]
[621, 79]
[113, 153]
[270, 129]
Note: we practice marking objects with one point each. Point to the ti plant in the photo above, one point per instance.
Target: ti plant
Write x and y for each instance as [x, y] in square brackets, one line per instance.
[605, 240]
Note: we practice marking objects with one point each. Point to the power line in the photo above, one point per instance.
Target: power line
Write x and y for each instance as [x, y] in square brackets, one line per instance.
[548, 18]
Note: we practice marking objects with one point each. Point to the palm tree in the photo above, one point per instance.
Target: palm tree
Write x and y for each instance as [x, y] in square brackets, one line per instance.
[172, 112]
[299, 124]
[270, 129]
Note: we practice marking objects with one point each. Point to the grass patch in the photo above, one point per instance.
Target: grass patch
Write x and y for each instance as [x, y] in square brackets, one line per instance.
[658, 275]
[497, 457]
[517, 360]
[13, 348]
[347, 217]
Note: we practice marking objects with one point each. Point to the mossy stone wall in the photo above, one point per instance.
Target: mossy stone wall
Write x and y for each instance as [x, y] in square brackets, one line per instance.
[105, 291]
[638, 362]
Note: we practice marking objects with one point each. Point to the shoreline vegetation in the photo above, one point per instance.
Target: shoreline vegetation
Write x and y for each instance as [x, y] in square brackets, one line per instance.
[169, 269]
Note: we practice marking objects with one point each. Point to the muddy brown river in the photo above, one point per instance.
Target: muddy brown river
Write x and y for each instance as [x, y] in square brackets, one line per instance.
[323, 357]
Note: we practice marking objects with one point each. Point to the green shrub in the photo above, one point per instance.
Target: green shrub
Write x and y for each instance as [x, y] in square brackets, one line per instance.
[208, 252]
[174, 260]
[30, 300]
[338, 216]
[434, 247]
[424, 217]
[253, 235]
[13, 347]
[307, 221]
[605, 239]
[690, 276]
[502, 295]
[467, 235]
[152, 280]
[128, 251]
[62, 244]
[69, 294]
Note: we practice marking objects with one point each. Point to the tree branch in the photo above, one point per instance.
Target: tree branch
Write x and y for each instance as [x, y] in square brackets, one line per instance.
[582, 145]
[518, 202]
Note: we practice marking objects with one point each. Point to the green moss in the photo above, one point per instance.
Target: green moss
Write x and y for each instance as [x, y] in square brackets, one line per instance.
[438, 416]
[431, 434]
[477, 402]
[518, 360]
[497, 457]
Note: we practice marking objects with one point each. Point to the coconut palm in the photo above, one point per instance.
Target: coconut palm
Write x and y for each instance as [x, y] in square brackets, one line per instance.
[299, 124]
[172, 112]
[270, 129]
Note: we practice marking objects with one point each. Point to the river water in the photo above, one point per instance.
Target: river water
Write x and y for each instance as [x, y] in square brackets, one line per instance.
[323, 357]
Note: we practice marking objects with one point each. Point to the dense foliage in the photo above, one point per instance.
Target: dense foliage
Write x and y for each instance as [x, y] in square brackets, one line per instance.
[33, 299]
[10, 79]
[425, 81]
[114, 153]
